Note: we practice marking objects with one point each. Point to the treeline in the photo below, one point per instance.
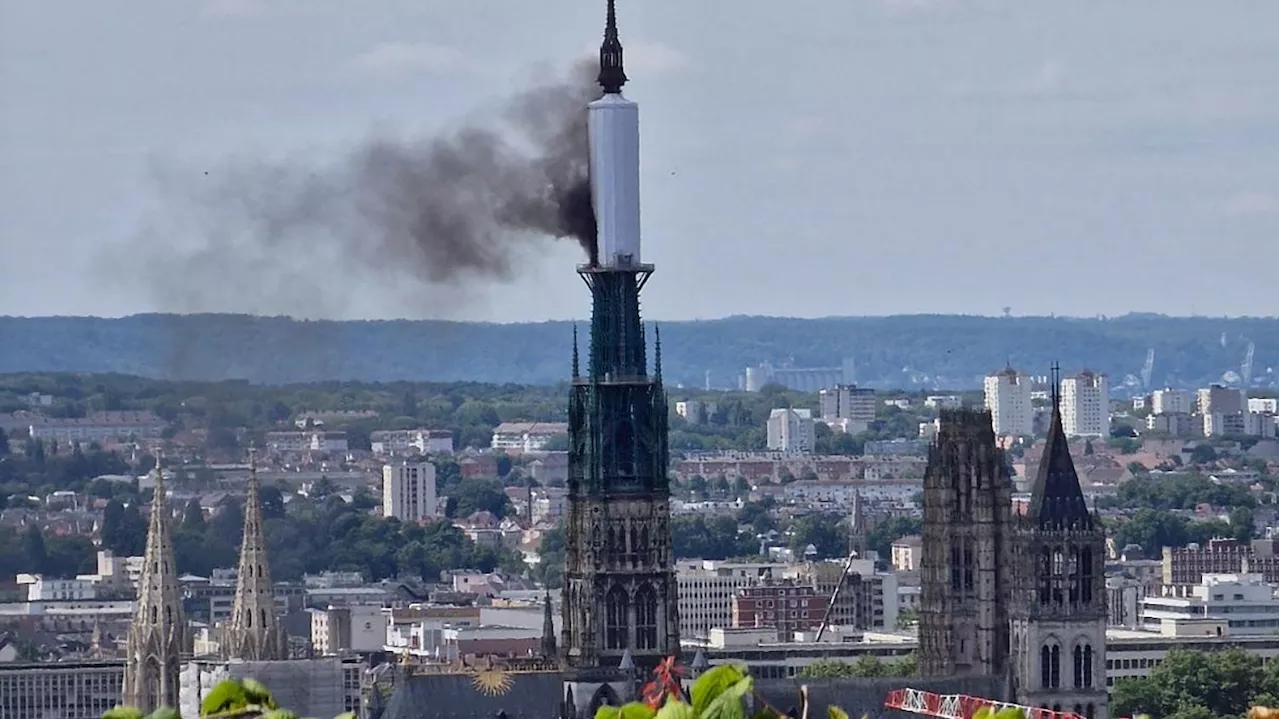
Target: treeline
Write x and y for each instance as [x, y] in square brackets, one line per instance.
[945, 350]
[1199, 685]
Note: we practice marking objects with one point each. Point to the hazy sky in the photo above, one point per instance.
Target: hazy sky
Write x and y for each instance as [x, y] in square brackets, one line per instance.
[807, 159]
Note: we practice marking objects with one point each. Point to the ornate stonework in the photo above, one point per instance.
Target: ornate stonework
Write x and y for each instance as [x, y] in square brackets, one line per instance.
[158, 634]
[254, 632]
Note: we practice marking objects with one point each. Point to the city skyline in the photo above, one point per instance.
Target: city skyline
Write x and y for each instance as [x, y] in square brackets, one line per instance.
[904, 139]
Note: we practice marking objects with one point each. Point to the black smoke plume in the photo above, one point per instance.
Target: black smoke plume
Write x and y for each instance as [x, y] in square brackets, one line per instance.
[447, 210]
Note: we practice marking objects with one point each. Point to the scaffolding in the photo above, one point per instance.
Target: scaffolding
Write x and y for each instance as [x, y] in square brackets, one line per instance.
[961, 706]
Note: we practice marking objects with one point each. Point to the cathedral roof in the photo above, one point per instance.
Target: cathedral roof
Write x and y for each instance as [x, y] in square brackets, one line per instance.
[1056, 499]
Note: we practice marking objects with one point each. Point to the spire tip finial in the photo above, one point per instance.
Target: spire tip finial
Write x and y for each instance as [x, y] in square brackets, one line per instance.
[611, 77]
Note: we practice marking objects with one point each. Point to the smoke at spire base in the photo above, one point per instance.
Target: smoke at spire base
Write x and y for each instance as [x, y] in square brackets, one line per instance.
[444, 210]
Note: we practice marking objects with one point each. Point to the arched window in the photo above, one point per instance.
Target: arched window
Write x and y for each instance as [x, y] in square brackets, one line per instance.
[262, 618]
[248, 619]
[1086, 575]
[1077, 709]
[1045, 666]
[1077, 667]
[1088, 710]
[955, 567]
[646, 618]
[615, 619]
[633, 552]
[968, 565]
[1058, 566]
[1088, 666]
[1073, 576]
[168, 616]
[155, 615]
[643, 549]
[1046, 570]
[1055, 668]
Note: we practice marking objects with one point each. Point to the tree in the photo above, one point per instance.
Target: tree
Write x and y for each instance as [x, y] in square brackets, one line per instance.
[479, 495]
[1241, 521]
[193, 516]
[1199, 684]
[1203, 454]
[272, 501]
[827, 533]
[33, 549]
[4, 442]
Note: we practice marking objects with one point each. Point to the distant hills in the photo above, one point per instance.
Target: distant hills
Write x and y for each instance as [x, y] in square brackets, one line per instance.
[908, 351]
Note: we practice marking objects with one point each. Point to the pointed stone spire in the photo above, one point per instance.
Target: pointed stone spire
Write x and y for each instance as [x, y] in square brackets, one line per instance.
[1056, 497]
[548, 629]
[611, 77]
[254, 633]
[657, 354]
[158, 634]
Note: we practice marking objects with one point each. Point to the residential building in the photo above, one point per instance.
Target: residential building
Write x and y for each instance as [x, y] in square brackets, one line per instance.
[404, 441]
[1086, 409]
[1244, 603]
[1007, 396]
[1176, 424]
[358, 628]
[1216, 399]
[857, 406]
[788, 608]
[696, 411]
[706, 590]
[942, 401]
[790, 430]
[1248, 424]
[409, 491]
[520, 437]
[97, 427]
[42, 589]
[1262, 405]
[1172, 401]
[868, 600]
[1188, 565]
[307, 441]
[905, 553]
[65, 689]
[322, 687]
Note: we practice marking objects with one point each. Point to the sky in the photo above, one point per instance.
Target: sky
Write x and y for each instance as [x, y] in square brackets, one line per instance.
[798, 159]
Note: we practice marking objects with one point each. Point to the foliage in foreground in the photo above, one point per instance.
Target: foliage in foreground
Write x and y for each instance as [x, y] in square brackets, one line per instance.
[1199, 685]
[231, 699]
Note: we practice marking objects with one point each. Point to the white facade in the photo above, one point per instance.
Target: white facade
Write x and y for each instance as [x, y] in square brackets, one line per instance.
[942, 401]
[1216, 399]
[1262, 405]
[314, 441]
[360, 628]
[519, 437]
[1172, 401]
[409, 491]
[1007, 395]
[790, 430]
[695, 411]
[1086, 405]
[41, 589]
[1244, 602]
[423, 441]
[613, 130]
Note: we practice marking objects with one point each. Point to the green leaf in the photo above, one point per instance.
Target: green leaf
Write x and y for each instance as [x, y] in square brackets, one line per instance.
[123, 712]
[607, 712]
[714, 682]
[346, 715]
[279, 714]
[676, 710]
[729, 704]
[226, 696]
[165, 713]
[257, 693]
[836, 713]
[635, 710]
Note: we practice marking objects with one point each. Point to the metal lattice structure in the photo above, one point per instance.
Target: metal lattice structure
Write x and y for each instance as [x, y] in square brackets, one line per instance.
[961, 706]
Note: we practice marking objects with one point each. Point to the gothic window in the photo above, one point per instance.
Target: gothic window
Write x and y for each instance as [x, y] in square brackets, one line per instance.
[1046, 660]
[1055, 668]
[633, 553]
[968, 564]
[644, 546]
[1046, 569]
[248, 619]
[1086, 576]
[1088, 710]
[262, 618]
[646, 618]
[1058, 566]
[615, 619]
[1077, 667]
[955, 566]
[1088, 666]
[1073, 575]
[155, 615]
[1078, 710]
[168, 616]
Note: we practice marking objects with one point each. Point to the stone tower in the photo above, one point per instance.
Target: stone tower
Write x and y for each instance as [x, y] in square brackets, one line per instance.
[254, 632]
[857, 526]
[1058, 608]
[158, 634]
[620, 590]
[965, 565]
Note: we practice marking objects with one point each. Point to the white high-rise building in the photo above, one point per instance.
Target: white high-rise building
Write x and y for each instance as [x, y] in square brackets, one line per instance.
[1007, 395]
[409, 491]
[790, 430]
[847, 402]
[1086, 408]
[1171, 401]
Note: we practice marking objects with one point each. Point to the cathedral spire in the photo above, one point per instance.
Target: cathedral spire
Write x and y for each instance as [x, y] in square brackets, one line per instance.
[657, 354]
[1056, 497]
[158, 634]
[548, 628]
[254, 632]
[575, 350]
[611, 77]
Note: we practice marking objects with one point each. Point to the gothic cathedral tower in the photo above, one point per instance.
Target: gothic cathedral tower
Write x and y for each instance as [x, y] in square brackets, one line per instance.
[965, 569]
[1058, 610]
[254, 633]
[620, 589]
[158, 634]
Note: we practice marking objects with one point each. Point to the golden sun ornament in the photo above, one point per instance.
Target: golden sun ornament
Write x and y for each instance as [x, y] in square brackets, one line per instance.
[491, 681]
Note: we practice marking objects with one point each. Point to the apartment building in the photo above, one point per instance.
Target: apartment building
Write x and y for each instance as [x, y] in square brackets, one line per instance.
[335, 630]
[855, 406]
[1187, 565]
[308, 441]
[790, 430]
[66, 690]
[1007, 395]
[403, 441]
[1262, 405]
[1086, 408]
[787, 608]
[1172, 401]
[97, 427]
[706, 590]
[520, 437]
[695, 411]
[868, 600]
[1216, 399]
[409, 491]
[1220, 605]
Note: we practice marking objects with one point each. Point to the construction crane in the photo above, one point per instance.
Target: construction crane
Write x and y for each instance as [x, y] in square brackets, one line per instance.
[835, 594]
[961, 706]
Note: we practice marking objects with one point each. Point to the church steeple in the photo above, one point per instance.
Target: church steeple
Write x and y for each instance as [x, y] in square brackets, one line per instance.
[1056, 497]
[611, 77]
[575, 350]
[158, 634]
[254, 633]
[548, 629]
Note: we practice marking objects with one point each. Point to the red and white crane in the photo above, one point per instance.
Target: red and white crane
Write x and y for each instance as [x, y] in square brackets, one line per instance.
[961, 706]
